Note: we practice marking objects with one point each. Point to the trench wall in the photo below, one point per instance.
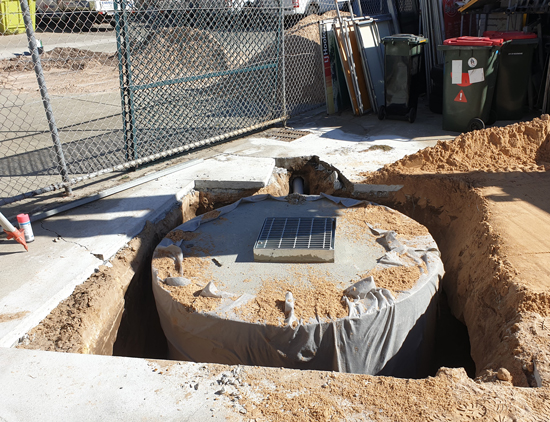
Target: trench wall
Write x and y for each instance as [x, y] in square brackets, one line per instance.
[478, 282]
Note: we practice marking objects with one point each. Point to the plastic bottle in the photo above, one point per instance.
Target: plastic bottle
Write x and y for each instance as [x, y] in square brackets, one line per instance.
[25, 225]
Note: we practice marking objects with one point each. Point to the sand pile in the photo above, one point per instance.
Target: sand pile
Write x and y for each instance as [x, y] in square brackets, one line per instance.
[303, 61]
[67, 71]
[357, 218]
[175, 53]
[315, 296]
[194, 50]
[61, 58]
[331, 14]
[523, 146]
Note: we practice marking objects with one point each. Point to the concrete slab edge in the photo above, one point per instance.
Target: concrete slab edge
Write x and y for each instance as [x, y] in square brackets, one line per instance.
[68, 386]
[34, 317]
[238, 184]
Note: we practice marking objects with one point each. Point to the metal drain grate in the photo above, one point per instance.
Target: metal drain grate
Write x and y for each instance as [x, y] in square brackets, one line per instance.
[295, 239]
[284, 134]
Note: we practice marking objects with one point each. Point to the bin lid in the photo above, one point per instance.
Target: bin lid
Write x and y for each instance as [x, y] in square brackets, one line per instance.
[510, 35]
[474, 41]
[408, 38]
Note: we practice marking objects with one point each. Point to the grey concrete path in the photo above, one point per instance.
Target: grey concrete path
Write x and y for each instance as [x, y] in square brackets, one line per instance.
[48, 386]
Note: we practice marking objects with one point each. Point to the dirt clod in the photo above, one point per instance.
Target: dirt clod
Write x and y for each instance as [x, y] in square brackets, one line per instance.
[504, 375]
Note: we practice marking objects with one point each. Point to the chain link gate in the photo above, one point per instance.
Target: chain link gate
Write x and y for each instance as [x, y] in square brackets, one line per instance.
[194, 75]
[50, 142]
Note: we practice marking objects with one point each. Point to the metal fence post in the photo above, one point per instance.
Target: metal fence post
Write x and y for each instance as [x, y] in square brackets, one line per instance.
[283, 77]
[33, 48]
[125, 72]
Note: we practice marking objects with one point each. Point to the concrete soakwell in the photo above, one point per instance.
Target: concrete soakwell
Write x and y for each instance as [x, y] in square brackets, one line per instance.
[368, 308]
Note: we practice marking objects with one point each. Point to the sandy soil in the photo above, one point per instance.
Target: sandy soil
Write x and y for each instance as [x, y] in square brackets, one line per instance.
[314, 297]
[384, 219]
[67, 71]
[283, 395]
[484, 198]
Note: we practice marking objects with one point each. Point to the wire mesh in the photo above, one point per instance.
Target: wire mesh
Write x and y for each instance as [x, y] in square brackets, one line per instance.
[130, 82]
[79, 64]
[191, 74]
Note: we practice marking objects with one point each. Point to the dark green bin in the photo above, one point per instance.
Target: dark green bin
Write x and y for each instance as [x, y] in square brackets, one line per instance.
[402, 75]
[514, 73]
[466, 104]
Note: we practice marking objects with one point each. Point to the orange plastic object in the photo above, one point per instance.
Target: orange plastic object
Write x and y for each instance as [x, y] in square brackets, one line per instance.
[19, 236]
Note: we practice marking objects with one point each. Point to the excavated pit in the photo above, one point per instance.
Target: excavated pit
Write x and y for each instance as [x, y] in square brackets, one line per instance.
[459, 190]
[483, 197]
[97, 318]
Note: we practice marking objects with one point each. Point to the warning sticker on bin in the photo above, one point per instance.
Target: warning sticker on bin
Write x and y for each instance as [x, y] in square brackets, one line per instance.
[461, 98]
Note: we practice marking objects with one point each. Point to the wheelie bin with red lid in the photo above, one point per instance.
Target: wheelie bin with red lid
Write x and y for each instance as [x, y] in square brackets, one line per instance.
[470, 71]
[514, 72]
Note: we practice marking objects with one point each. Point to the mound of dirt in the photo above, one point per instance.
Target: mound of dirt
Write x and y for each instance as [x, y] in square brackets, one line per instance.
[303, 61]
[195, 48]
[174, 53]
[67, 71]
[484, 198]
[331, 14]
[61, 58]
[522, 146]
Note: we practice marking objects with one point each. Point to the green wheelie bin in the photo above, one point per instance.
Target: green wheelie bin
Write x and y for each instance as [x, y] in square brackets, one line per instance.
[469, 79]
[402, 75]
[514, 72]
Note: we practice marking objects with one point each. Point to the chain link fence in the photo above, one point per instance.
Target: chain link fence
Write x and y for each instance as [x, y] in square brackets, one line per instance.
[127, 82]
[80, 73]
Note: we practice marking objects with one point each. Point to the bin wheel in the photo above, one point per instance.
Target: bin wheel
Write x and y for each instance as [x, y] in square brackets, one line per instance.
[382, 113]
[476, 124]
[492, 117]
[412, 114]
